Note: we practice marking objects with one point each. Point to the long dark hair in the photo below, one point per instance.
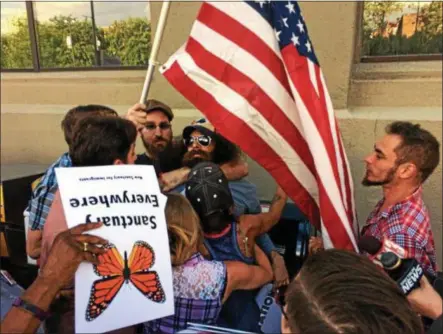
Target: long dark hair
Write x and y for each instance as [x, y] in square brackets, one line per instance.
[225, 150]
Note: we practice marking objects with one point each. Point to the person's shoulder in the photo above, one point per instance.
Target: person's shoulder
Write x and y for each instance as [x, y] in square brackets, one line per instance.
[143, 159]
[242, 184]
[413, 213]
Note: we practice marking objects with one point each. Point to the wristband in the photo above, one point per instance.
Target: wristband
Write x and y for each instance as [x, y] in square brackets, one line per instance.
[35, 310]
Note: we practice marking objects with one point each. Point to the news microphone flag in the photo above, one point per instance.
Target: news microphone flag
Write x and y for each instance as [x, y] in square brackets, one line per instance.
[376, 248]
[251, 69]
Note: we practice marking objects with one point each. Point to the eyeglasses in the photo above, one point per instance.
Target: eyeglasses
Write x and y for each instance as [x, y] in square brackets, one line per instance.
[162, 126]
[201, 140]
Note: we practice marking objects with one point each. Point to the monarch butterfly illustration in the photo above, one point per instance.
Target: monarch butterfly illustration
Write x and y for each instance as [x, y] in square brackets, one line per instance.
[115, 271]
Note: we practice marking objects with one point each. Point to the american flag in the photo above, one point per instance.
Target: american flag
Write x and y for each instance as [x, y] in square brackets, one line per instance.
[250, 67]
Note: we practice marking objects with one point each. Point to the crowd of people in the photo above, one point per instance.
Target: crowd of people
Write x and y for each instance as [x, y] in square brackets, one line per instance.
[221, 253]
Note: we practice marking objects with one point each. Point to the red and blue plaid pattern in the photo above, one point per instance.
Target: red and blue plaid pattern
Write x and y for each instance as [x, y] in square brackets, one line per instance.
[407, 224]
[43, 194]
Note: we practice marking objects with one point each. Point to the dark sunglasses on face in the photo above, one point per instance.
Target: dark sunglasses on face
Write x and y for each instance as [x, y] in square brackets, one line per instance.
[162, 126]
[201, 140]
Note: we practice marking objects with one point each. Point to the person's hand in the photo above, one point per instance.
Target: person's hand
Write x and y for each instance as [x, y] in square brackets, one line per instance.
[137, 115]
[281, 276]
[68, 251]
[280, 193]
[425, 300]
[315, 245]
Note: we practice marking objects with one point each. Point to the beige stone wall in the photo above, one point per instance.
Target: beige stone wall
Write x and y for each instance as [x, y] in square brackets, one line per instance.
[366, 97]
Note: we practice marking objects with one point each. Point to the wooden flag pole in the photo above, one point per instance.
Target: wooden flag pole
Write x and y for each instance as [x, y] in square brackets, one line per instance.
[154, 51]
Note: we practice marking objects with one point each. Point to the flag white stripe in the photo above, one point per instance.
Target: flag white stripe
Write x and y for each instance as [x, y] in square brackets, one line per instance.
[247, 64]
[312, 76]
[327, 242]
[324, 168]
[254, 22]
[241, 108]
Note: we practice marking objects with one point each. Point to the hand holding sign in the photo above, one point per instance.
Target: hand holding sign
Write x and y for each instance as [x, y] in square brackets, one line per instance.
[67, 253]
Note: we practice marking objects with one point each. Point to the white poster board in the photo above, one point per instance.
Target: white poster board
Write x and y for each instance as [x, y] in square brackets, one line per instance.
[127, 199]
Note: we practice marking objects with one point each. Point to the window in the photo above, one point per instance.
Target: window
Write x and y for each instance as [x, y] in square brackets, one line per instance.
[75, 35]
[402, 29]
[125, 35]
[15, 41]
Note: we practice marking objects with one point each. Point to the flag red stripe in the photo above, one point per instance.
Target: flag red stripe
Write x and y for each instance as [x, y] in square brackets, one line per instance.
[244, 38]
[299, 74]
[244, 86]
[257, 149]
[337, 232]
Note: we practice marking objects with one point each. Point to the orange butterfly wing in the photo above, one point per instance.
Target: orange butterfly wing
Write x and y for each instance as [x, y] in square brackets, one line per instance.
[147, 282]
[104, 290]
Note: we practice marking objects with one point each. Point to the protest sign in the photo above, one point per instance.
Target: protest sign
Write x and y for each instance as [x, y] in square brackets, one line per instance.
[133, 282]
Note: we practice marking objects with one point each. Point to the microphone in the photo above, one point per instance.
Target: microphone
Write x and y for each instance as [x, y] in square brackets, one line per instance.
[376, 248]
[393, 259]
[406, 272]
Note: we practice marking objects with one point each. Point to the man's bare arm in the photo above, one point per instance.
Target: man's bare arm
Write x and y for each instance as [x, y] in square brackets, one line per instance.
[170, 180]
[255, 225]
[235, 170]
[269, 219]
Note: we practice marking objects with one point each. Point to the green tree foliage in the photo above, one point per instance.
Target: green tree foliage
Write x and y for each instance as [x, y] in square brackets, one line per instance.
[375, 13]
[52, 40]
[16, 47]
[428, 39]
[126, 41]
[129, 41]
[432, 17]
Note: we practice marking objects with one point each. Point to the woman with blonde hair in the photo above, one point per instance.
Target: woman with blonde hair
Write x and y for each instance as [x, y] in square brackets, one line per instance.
[201, 286]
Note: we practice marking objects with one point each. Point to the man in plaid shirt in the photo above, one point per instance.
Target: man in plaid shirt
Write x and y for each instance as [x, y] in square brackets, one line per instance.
[401, 161]
[43, 194]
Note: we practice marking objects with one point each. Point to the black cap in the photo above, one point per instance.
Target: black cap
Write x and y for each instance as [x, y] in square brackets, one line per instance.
[208, 190]
[155, 105]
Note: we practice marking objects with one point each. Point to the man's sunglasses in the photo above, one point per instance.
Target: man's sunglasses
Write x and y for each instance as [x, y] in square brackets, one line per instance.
[162, 126]
[201, 140]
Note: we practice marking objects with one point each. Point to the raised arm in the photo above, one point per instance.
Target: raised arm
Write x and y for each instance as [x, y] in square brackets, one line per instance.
[247, 277]
[235, 170]
[255, 225]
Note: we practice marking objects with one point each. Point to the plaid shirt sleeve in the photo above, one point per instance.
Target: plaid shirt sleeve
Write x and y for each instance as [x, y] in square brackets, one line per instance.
[44, 193]
[41, 201]
[413, 250]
